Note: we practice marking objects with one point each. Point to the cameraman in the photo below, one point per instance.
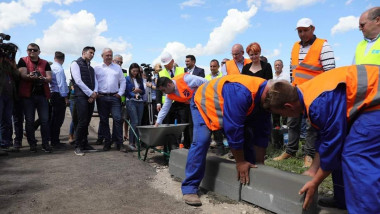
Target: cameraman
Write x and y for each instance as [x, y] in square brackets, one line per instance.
[35, 92]
[8, 76]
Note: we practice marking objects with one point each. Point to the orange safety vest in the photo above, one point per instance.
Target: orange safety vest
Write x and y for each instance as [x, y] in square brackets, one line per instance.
[209, 100]
[232, 68]
[185, 92]
[310, 66]
[362, 88]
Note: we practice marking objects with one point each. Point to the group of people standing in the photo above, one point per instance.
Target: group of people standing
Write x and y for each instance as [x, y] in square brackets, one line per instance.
[341, 106]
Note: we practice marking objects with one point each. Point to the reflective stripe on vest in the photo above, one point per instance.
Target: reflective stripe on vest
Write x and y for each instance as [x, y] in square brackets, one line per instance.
[232, 68]
[371, 57]
[210, 102]
[310, 65]
[184, 91]
[362, 88]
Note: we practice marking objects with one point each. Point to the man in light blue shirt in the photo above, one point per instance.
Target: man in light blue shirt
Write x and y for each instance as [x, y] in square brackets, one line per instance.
[58, 100]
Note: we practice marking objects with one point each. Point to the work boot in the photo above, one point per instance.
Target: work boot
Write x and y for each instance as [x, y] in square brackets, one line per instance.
[220, 151]
[329, 202]
[283, 156]
[192, 199]
[307, 160]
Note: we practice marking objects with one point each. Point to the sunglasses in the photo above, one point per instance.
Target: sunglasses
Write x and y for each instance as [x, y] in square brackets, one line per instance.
[118, 62]
[32, 50]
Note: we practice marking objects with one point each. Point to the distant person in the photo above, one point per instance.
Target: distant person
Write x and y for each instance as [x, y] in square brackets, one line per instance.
[257, 68]
[235, 66]
[59, 99]
[8, 77]
[368, 50]
[214, 69]
[86, 91]
[35, 92]
[279, 73]
[191, 68]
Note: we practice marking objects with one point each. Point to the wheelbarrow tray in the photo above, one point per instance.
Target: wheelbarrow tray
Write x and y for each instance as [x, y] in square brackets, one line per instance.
[158, 136]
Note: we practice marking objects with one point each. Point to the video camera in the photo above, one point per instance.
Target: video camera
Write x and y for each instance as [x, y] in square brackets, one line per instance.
[7, 50]
[148, 71]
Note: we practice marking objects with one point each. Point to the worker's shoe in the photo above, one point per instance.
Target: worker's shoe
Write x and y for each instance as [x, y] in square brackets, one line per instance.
[283, 156]
[192, 199]
[307, 160]
[330, 202]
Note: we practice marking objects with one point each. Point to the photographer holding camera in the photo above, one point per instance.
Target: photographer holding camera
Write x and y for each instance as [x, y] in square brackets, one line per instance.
[35, 92]
[8, 77]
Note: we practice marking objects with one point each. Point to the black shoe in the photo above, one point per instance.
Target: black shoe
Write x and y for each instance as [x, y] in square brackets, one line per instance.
[88, 148]
[47, 148]
[107, 147]
[329, 202]
[220, 151]
[14, 149]
[99, 141]
[3, 153]
[33, 148]
[120, 147]
[59, 146]
[78, 151]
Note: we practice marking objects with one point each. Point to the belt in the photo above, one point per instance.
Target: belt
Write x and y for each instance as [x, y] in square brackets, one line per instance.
[107, 94]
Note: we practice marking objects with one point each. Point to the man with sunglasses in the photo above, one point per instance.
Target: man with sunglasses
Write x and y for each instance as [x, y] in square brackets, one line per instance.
[368, 50]
[35, 93]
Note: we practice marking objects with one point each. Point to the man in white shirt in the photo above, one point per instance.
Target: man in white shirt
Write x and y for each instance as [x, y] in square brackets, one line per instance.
[111, 87]
[279, 74]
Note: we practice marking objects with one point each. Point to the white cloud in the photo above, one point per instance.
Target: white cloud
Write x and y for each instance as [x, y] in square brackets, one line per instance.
[254, 2]
[220, 38]
[71, 32]
[345, 24]
[287, 5]
[20, 12]
[348, 2]
[191, 3]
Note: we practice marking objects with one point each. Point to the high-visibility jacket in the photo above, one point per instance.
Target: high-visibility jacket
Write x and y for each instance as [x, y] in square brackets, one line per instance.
[209, 99]
[185, 92]
[310, 66]
[25, 87]
[362, 88]
[232, 68]
[209, 76]
[373, 55]
[165, 73]
[123, 96]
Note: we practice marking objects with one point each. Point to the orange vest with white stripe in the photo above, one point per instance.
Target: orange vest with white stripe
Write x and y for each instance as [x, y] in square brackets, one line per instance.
[209, 99]
[362, 88]
[185, 92]
[310, 66]
[232, 68]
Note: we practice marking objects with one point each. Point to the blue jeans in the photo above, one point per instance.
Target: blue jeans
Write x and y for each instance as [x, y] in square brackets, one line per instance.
[18, 122]
[84, 111]
[135, 112]
[72, 102]
[40, 103]
[196, 159]
[6, 107]
[107, 105]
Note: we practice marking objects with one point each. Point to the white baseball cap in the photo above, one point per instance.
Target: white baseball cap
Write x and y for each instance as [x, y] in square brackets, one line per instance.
[304, 22]
[166, 58]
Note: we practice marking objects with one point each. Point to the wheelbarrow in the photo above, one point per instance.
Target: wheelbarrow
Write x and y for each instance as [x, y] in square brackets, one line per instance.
[159, 136]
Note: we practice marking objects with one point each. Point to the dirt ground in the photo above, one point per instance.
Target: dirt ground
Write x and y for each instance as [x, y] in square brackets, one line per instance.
[99, 182]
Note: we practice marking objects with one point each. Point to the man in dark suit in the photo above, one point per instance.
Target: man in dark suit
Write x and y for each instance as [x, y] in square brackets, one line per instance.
[191, 68]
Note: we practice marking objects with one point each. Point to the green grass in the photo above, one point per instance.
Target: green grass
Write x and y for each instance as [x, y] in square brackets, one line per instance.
[294, 164]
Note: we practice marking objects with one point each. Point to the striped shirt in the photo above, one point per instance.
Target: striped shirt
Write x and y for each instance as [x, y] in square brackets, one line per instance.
[326, 59]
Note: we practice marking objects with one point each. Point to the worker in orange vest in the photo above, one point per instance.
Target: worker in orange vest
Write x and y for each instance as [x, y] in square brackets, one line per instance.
[344, 106]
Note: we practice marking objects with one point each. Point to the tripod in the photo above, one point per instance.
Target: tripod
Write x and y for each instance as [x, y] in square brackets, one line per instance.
[150, 106]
